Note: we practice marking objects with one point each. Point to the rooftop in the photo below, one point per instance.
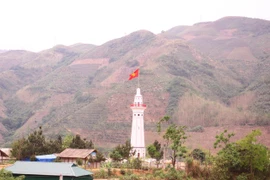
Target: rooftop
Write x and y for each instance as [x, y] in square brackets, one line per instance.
[47, 168]
[76, 153]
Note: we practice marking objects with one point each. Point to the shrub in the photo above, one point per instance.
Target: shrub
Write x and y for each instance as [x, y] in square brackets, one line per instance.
[110, 172]
[196, 129]
[130, 177]
[122, 171]
[57, 159]
[173, 174]
[242, 177]
[101, 174]
[33, 158]
[137, 163]
[79, 162]
[6, 175]
[198, 154]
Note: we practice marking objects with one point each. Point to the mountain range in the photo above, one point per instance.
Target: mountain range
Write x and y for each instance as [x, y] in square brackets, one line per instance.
[210, 76]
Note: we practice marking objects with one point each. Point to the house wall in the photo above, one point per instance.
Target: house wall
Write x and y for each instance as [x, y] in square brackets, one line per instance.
[73, 160]
[70, 160]
[94, 165]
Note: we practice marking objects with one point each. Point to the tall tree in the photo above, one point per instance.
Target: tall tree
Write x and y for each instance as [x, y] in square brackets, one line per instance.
[155, 151]
[175, 138]
[54, 146]
[35, 144]
[19, 149]
[79, 143]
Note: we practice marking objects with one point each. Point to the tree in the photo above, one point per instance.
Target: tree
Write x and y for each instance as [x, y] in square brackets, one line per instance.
[99, 158]
[115, 155]
[227, 161]
[35, 144]
[254, 156]
[121, 152]
[198, 154]
[175, 138]
[154, 150]
[77, 142]
[6, 175]
[67, 141]
[54, 146]
[223, 140]
[245, 158]
[19, 149]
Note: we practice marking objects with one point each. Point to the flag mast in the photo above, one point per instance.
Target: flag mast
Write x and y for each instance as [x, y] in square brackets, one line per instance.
[138, 78]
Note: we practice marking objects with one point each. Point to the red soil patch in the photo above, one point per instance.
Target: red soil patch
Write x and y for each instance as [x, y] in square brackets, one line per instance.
[100, 61]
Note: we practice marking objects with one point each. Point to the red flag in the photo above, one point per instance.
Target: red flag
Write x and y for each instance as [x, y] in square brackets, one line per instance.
[134, 74]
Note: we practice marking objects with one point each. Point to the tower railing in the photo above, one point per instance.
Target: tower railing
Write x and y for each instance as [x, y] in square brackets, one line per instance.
[137, 105]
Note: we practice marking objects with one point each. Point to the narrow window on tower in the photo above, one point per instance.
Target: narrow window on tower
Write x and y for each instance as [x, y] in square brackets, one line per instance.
[134, 114]
[138, 114]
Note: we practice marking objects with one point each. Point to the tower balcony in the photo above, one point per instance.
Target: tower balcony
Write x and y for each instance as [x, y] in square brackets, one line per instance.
[137, 105]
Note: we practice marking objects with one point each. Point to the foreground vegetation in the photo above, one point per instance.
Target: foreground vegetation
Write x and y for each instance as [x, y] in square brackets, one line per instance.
[5, 175]
[245, 159]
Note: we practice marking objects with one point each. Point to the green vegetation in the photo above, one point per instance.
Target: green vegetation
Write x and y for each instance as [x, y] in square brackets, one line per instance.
[122, 152]
[175, 138]
[198, 154]
[37, 144]
[78, 143]
[79, 162]
[154, 150]
[245, 159]
[99, 157]
[82, 98]
[18, 113]
[177, 88]
[6, 175]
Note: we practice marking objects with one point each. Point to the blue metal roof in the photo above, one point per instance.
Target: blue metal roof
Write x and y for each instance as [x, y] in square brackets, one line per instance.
[46, 158]
[47, 168]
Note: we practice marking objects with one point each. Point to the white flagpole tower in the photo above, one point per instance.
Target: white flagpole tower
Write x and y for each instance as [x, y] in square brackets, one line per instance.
[137, 131]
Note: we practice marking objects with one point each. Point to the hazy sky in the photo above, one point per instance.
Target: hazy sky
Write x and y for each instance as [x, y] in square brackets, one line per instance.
[36, 25]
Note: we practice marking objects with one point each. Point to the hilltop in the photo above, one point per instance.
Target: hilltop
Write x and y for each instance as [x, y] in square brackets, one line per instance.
[212, 74]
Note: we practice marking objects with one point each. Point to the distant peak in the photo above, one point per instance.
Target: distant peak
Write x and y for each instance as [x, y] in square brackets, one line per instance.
[142, 32]
[239, 18]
